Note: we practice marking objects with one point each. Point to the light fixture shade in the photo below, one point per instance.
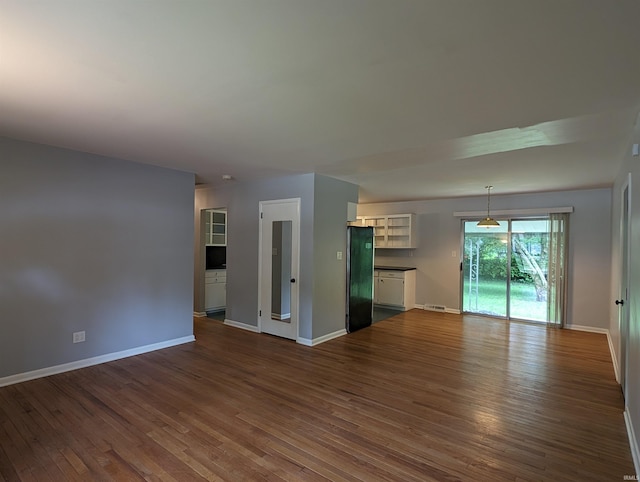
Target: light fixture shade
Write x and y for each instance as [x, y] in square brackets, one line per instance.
[488, 223]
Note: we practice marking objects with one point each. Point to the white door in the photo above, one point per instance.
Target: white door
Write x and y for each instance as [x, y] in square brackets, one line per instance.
[278, 267]
[623, 302]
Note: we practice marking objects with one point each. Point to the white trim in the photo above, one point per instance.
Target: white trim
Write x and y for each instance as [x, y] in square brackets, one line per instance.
[280, 316]
[452, 311]
[614, 360]
[513, 212]
[87, 362]
[199, 314]
[242, 326]
[321, 339]
[590, 329]
[633, 445]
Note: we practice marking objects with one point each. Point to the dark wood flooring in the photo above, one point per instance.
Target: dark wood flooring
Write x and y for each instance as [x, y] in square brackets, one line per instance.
[419, 396]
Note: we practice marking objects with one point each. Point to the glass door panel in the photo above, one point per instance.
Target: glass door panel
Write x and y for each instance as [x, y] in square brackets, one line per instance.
[485, 269]
[505, 270]
[529, 268]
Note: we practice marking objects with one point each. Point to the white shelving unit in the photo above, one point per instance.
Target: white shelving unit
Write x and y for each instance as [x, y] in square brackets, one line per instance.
[215, 227]
[396, 231]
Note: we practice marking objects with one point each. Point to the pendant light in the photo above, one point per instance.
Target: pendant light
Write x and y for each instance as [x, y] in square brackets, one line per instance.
[488, 222]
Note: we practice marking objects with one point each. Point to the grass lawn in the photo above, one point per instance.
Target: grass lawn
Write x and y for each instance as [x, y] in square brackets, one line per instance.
[492, 300]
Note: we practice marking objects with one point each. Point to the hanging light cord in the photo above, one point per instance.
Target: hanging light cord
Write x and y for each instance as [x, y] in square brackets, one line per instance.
[488, 199]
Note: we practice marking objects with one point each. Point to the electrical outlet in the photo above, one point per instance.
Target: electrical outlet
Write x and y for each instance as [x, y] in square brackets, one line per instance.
[339, 255]
[78, 337]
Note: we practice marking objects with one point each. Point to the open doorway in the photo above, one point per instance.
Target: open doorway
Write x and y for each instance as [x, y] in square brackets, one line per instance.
[215, 262]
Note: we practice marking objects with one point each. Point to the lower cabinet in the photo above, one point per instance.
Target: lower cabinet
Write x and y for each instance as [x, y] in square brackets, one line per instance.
[215, 290]
[395, 289]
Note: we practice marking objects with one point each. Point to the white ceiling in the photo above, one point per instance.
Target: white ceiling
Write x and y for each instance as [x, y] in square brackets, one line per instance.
[408, 99]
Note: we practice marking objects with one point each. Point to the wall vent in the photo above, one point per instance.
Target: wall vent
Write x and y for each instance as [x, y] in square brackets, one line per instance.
[435, 307]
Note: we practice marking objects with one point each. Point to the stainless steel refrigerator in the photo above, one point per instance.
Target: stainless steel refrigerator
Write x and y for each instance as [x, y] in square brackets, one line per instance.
[359, 277]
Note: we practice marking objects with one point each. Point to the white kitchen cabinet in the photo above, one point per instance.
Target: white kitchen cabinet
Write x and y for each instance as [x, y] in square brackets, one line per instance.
[215, 227]
[395, 288]
[395, 231]
[215, 289]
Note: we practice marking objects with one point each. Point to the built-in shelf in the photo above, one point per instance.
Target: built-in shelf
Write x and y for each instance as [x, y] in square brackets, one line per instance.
[215, 228]
[391, 231]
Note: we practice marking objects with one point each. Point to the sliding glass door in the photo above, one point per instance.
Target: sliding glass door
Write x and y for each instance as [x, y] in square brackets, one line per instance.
[529, 269]
[506, 270]
[485, 287]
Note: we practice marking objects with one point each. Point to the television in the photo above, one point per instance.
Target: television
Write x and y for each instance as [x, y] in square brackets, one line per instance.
[216, 257]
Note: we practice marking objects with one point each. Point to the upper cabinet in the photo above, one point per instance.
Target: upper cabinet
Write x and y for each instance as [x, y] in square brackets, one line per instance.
[392, 230]
[215, 229]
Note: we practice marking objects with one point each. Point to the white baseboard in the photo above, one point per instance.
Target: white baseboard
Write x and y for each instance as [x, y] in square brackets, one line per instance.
[302, 341]
[633, 444]
[321, 339]
[614, 359]
[452, 311]
[589, 329]
[280, 316]
[87, 362]
[242, 326]
[199, 314]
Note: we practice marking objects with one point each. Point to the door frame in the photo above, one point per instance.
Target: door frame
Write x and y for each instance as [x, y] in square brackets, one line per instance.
[509, 220]
[295, 263]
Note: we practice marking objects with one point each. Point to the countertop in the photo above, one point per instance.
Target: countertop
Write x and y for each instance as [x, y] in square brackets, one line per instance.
[394, 268]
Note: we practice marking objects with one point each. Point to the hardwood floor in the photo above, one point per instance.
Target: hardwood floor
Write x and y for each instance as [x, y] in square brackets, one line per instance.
[420, 396]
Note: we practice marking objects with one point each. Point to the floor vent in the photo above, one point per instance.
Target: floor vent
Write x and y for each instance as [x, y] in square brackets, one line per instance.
[435, 307]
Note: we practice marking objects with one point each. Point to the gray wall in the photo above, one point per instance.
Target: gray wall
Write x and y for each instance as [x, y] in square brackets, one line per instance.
[241, 201]
[632, 399]
[330, 277]
[323, 221]
[93, 244]
[439, 233]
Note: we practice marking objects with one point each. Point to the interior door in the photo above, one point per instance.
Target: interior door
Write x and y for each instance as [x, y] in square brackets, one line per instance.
[623, 312]
[278, 267]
